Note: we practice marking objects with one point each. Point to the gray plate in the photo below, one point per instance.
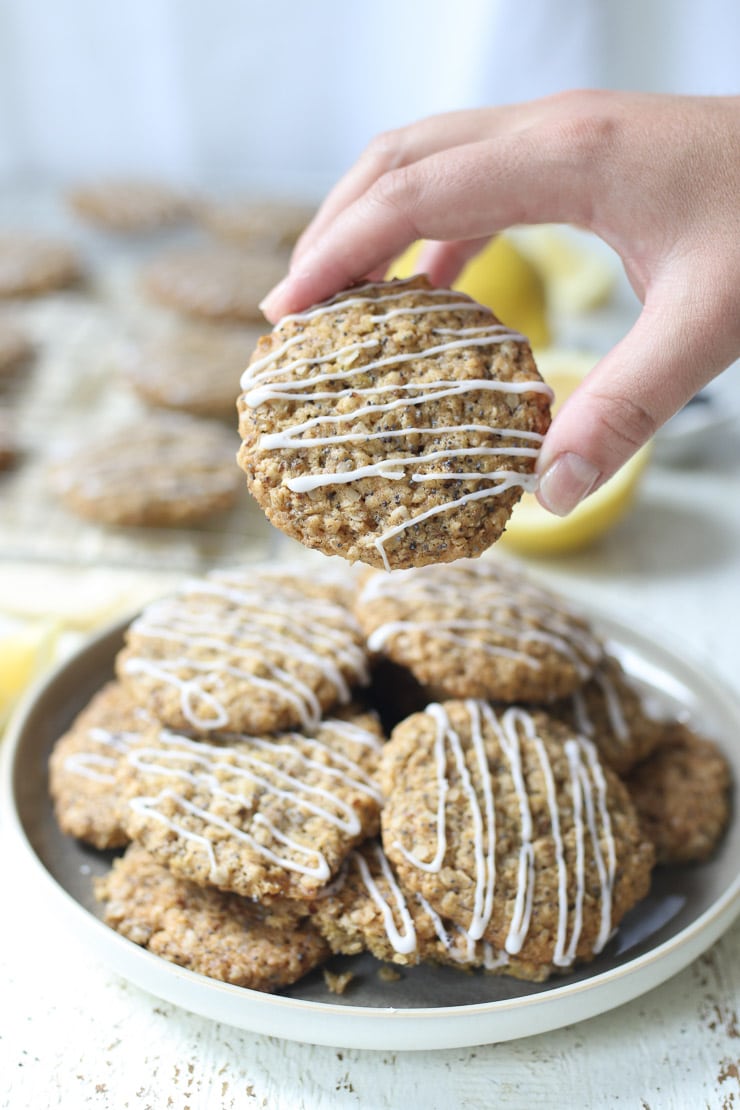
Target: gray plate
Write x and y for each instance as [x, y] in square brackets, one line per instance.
[686, 910]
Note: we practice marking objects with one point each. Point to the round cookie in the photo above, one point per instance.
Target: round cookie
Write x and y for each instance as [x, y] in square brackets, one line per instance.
[130, 206]
[215, 284]
[194, 369]
[509, 826]
[395, 424]
[610, 712]
[219, 935]
[31, 265]
[165, 469]
[262, 816]
[682, 795]
[365, 909]
[244, 651]
[82, 767]
[478, 629]
[15, 347]
[257, 223]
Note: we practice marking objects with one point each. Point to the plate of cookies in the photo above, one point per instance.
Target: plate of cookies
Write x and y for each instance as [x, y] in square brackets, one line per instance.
[428, 809]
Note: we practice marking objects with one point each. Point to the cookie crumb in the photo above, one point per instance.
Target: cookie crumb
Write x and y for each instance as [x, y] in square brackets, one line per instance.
[337, 981]
[389, 974]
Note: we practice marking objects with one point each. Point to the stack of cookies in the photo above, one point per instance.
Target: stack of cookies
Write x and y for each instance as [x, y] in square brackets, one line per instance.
[509, 822]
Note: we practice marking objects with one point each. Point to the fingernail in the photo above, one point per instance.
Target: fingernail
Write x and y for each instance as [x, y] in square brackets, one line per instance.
[566, 482]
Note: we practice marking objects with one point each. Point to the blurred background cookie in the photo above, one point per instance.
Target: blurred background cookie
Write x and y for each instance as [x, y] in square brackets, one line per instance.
[263, 224]
[31, 265]
[213, 283]
[130, 206]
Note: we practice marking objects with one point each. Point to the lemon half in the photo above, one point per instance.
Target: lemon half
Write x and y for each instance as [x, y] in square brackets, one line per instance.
[26, 648]
[532, 530]
[501, 278]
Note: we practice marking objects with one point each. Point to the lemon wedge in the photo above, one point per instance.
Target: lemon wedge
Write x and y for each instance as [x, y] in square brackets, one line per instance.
[577, 272]
[531, 529]
[503, 279]
[26, 648]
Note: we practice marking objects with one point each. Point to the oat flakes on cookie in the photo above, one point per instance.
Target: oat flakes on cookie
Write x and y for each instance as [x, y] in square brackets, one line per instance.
[195, 369]
[396, 424]
[682, 795]
[269, 816]
[214, 283]
[130, 206]
[244, 651]
[82, 767]
[164, 469]
[219, 935]
[31, 265]
[510, 827]
[478, 629]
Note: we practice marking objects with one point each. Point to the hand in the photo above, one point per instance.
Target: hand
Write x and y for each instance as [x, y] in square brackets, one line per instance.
[656, 177]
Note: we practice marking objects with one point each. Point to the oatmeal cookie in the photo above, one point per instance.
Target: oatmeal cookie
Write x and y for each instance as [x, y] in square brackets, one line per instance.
[478, 629]
[31, 265]
[219, 935]
[510, 827]
[682, 795]
[130, 206]
[165, 469]
[396, 424]
[263, 224]
[215, 284]
[194, 369]
[262, 816]
[244, 651]
[82, 767]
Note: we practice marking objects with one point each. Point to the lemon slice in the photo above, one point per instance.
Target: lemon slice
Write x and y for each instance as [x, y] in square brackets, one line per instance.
[26, 648]
[501, 278]
[577, 273]
[531, 529]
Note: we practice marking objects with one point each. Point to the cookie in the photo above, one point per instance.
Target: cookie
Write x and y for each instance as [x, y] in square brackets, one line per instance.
[82, 767]
[257, 223]
[15, 347]
[510, 827]
[365, 909]
[31, 265]
[478, 629]
[219, 935]
[261, 816]
[244, 651]
[682, 795]
[164, 469]
[610, 712]
[130, 206]
[193, 369]
[215, 284]
[395, 424]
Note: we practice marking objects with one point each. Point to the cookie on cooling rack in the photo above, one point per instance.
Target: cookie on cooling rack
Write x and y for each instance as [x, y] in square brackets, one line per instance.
[395, 424]
[219, 935]
[269, 816]
[164, 469]
[509, 826]
[244, 651]
[263, 224]
[31, 265]
[682, 795]
[130, 206]
[213, 283]
[477, 629]
[82, 767]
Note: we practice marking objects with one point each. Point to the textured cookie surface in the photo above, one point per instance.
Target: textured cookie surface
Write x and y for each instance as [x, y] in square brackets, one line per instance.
[262, 816]
[82, 768]
[164, 469]
[220, 935]
[396, 424]
[261, 223]
[610, 712]
[30, 265]
[244, 651]
[682, 795]
[195, 369]
[213, 284]
[509, 826]
[478, 629]
[129, 206]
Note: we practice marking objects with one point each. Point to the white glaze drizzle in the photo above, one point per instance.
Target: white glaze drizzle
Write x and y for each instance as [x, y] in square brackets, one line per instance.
[85, 763]
[265, 382]
[612, 703]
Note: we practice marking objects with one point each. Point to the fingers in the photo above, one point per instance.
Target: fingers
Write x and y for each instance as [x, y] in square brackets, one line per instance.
[666, 358]
[442, 262]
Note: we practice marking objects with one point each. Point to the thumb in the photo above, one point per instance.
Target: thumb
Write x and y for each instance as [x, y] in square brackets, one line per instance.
[665, 359]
